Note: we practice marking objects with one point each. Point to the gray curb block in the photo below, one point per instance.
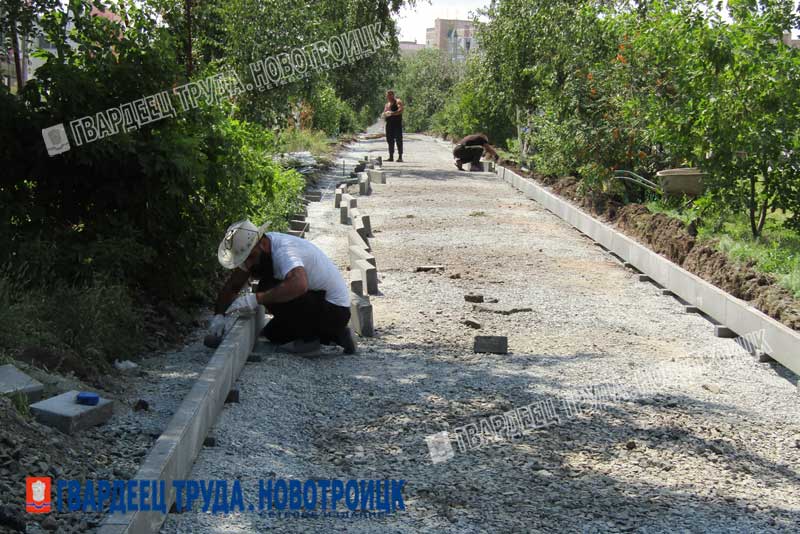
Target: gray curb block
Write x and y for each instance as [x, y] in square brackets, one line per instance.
[782, 342]
[174, 452]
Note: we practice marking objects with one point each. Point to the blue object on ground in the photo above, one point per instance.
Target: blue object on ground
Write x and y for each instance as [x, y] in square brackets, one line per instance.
[87, 398]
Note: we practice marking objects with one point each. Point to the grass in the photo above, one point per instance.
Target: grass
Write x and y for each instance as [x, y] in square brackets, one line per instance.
[775, 252]
[98, 322]
[20, 402]
[315, 141]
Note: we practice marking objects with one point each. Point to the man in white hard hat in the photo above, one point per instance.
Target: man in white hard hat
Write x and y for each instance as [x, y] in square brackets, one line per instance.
[298, 284]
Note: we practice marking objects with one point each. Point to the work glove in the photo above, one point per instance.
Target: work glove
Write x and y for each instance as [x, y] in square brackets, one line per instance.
[247, 303]
[217, 326]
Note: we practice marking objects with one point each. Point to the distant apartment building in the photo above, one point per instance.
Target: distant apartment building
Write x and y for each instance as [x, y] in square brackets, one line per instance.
[408, 48]
[456, 37]
[28, 63]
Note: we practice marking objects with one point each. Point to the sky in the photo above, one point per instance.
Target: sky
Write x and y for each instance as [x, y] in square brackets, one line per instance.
[413, 21]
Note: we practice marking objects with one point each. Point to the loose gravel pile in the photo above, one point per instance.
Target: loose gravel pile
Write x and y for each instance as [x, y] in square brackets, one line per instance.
[710, 446]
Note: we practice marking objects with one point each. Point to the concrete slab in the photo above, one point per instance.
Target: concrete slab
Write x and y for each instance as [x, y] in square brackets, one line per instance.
[361, 316]
[491, 344]
[691, 309]
[337, 199]
[369, 275]
[65, 414]
[644, 278]
[377, 176]
[12, 380]
[355, 239]
[175, 450]
[313, 196]
[344, 214]
[357, 253]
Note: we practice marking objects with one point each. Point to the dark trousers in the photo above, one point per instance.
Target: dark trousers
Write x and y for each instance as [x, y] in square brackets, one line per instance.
[394, 134]
[468, 154]
[307, 317]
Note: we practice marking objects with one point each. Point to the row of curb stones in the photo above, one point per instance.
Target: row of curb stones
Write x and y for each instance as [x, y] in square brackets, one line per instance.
[363, 267]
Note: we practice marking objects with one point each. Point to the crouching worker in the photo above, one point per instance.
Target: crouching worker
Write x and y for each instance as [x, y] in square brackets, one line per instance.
[298, 284]
[471, 148]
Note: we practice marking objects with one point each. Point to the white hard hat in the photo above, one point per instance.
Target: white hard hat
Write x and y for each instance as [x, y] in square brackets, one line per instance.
[239, 240]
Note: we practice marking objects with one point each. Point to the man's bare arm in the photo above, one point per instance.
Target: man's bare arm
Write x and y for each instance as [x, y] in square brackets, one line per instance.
[490, 150]
[294, 285]
[230, 290]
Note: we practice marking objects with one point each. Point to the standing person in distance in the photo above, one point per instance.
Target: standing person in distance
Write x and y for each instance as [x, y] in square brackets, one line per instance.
[393, 115]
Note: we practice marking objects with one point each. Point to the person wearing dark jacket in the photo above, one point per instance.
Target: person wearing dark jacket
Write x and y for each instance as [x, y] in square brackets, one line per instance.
[393, 115]
[471, 148]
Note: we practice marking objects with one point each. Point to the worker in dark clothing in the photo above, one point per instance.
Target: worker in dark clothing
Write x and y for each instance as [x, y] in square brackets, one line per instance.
[393, 115]
[471, 148]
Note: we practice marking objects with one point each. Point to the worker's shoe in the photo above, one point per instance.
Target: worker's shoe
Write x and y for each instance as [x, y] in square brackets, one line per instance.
[346, 340]
[460, 167]
[302, 347]
[400, 159]
[391, 158]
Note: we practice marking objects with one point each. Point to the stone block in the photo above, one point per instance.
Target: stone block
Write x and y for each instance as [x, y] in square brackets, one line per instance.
[358, 224]
[492, 344]
[369, 276]
[350, 201]
[233, 396]
[644, 278]
[298, 225]
[361, 316]
[12, 380]
[724, 332]
[377, 176]
[337, 199]
[355, 239]
[691, 309]
[297, 233]
[65, 414]
[357, 253]
[364, 188]
[356, 284]
[367, 224]
[313, 196]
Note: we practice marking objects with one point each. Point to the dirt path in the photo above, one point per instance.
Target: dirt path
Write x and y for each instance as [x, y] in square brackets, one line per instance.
[714, 448]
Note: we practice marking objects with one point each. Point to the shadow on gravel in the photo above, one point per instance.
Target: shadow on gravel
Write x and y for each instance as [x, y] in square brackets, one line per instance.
[555, 478]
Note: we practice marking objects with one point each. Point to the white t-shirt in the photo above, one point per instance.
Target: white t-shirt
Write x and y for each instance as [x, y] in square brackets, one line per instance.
[289, 252]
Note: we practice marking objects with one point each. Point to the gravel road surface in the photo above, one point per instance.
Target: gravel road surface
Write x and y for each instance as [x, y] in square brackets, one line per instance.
[706, 444]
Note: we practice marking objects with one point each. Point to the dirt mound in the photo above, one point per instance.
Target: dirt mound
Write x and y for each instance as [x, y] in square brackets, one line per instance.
[663, 234]
[674, 240]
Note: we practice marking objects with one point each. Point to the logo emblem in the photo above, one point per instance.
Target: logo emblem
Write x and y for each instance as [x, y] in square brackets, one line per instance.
[439, 447]
[37, 495]
[55, 139]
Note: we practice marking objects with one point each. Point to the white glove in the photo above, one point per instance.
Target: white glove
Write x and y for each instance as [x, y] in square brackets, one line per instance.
[247, 303]
[217, 326]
